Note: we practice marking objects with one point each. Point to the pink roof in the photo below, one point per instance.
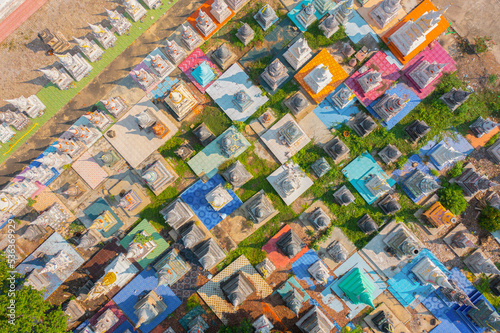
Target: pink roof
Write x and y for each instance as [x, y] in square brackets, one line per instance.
[89, 170]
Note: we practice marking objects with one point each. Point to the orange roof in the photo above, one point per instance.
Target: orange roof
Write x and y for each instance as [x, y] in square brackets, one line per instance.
[477, 143]
[438, 215]
[206, 8]
[325, 58]
[425, 6]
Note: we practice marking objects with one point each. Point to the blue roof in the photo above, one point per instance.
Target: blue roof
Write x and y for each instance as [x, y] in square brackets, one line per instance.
[141, 285]
[97, 208]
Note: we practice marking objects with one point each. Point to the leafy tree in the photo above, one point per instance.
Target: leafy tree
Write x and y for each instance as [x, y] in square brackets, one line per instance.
[244, 327]
[452, 198]
[489, 219]
[32, 314]
[142, 239]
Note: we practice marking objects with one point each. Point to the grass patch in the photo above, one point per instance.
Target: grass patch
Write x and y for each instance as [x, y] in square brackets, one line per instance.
[316, 39]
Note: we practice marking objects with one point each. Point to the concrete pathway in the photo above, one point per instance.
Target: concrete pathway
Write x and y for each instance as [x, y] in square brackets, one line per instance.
[97, 89]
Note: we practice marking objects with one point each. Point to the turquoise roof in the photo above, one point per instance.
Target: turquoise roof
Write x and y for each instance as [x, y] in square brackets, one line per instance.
[203, 74]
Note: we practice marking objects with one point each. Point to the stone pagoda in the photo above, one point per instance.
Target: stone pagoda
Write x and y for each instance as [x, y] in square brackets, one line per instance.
[456, 295]
[236, 5]
[321, 167]
[89, 48]
[161, 66]
[329, 26]
[425, 73]
[376, 185]
[262, 325]
[174, 52]
[203, 74]
[115, 105]
[134, 9]
[204, 134]
[337, 251]
[145, 79]
[180, 100]
[6, 133]
[444, 155]
[41, 174]
[315, 320]
[32, 106]
[116, 275]
[176, 213]
[266, 16]
[259, 208]
[413, 32]
[344, 12]
[230, 142]
[275, 74]
[455, 97]
[105, 322]
[362, 124]
[184, 151]
[208, 253]
[290, 133]
[482, 126]
[462, 241]
[242, 101]
[307, 15]
[385, 12]
[343, 196]
[389, 154]
[70, 147]
[220, 11]
[218, 198]
[297, 103]
[189, 37]
[367, 224]
[140, 248]
[153, 4]
[191, 234]
[370, 81]
[402, 243]
[485, 316]
[342, 97]
[494, 151]
[104, 222]
[205, 24]
[318, 78]
[223, 56]
[294, 300]
[90, 239]
[171, 268]
[85, 134]
[290, 244]
[105, 37]
[17, 120]
[59, 77]
[420, 184]
[417, 129]
[118, 22]
[59, 262]
[148, 308]
[319, 272]
[99, 119]
[157, 176]
[472, 183]
[389, 205]
[265, 268]
[245, 34]
[53, 217]
[55, 160]
[319, 219]
[55, 41]
[75, 65]
[236, 174]
[427, 271]
[323, 6]
[298, 54]
[383, 322]
[389, 106]
[237, 288]
[337, 150]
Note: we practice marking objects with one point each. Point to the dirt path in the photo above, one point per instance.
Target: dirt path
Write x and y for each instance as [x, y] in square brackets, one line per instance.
[17, 17]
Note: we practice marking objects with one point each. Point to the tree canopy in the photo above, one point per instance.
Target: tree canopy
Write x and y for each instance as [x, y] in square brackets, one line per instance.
[452, 198]
[32, 313]
[489, 219]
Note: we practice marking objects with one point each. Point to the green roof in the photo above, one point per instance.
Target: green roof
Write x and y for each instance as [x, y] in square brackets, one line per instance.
[161, 244]
[358, 287]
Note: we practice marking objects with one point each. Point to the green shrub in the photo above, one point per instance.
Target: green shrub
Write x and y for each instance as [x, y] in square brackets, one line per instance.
[452, 198]
[457, 170]
[492, 140]
[435, 173]
[489, 219]
[142, 239]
